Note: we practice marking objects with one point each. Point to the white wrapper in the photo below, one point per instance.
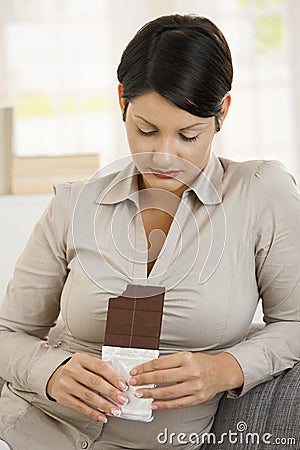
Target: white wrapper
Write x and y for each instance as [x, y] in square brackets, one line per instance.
[123, 360]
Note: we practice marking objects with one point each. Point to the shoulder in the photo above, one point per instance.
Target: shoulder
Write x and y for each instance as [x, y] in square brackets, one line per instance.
[262, 175]
[253, 167]
[70, 191]
[268, 187]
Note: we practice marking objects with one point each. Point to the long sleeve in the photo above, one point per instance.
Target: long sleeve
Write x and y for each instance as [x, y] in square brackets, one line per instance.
[277, 260]
[32, 302]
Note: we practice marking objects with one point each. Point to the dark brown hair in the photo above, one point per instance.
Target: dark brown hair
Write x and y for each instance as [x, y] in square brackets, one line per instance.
[184, 58]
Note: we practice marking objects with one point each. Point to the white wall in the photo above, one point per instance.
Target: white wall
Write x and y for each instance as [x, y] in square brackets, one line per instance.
[18, 215]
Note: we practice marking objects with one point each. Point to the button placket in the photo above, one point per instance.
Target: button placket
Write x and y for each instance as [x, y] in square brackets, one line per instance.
[140, 251]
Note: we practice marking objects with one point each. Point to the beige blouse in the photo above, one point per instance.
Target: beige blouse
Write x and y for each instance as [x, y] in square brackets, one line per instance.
[234, 239]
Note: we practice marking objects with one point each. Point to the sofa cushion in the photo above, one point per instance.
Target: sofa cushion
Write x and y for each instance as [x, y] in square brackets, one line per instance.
[270, 411]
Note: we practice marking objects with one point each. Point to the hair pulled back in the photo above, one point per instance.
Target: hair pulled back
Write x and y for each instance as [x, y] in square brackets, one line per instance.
[184, 58]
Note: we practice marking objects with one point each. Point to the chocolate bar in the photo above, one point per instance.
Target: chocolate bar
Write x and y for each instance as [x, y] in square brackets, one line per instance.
[134, 318]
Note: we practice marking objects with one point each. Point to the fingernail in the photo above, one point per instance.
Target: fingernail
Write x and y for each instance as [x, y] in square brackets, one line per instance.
[123, 385]
[102, 419]
[138, 394]
[132, 381]
[154, 407]
[123, 399]
[116, 412]
[133, 372]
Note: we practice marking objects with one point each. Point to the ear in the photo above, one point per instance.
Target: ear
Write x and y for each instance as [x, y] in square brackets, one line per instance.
[224, 109]
[121, 99]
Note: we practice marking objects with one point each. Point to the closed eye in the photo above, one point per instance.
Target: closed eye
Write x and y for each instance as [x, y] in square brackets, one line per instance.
[146, 133]
[152, 133]
[187, 139]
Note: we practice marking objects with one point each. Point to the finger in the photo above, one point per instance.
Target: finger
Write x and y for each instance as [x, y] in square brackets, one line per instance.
[102, 369]
[86, 385]
[78, 405]
[165, 392]
[97, 401]
[70, 388]
[163, 362]
[101, 385]
[158, 377]
[178, 403]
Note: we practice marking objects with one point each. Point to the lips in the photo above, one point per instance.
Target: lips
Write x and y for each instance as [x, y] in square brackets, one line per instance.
[165, 174]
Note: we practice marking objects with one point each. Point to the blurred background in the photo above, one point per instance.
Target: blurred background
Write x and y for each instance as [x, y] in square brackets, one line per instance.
[58, 62]
[59, 116]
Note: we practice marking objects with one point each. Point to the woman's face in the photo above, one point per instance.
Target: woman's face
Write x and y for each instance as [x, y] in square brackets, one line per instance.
[169, 146]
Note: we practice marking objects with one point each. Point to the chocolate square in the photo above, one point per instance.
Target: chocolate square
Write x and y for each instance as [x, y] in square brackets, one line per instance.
[134, 318]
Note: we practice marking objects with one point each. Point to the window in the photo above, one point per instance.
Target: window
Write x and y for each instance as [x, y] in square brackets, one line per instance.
[57, 75]
[261, 34]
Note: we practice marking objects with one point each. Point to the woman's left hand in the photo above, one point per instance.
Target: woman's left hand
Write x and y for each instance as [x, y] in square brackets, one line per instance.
[195, 377]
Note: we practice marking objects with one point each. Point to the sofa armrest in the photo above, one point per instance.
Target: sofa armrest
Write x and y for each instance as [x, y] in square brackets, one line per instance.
[268, 412]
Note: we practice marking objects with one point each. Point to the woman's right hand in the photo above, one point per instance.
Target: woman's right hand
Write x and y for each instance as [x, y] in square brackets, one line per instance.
[84, 382]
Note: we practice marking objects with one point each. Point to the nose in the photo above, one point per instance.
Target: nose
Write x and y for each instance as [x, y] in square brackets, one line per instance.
[164, 154]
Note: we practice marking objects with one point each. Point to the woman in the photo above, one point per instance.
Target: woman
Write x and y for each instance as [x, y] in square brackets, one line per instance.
[217, 234]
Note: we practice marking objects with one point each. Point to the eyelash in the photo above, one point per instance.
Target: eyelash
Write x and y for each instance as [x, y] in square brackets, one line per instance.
[152, 133]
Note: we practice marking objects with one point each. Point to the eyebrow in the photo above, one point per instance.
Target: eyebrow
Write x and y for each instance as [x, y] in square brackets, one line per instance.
[181, 129]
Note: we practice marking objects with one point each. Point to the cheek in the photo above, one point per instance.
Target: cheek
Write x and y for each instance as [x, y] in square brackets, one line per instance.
[141, 151]
[199, 154]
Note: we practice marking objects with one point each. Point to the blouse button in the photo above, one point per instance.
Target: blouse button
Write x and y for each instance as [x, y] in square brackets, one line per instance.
[84, 444]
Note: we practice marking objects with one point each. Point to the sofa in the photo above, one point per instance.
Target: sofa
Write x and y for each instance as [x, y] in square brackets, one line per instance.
[267, 417]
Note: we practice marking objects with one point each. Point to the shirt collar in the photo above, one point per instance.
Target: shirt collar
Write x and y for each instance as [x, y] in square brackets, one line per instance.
[207, 186]
[121, 186]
